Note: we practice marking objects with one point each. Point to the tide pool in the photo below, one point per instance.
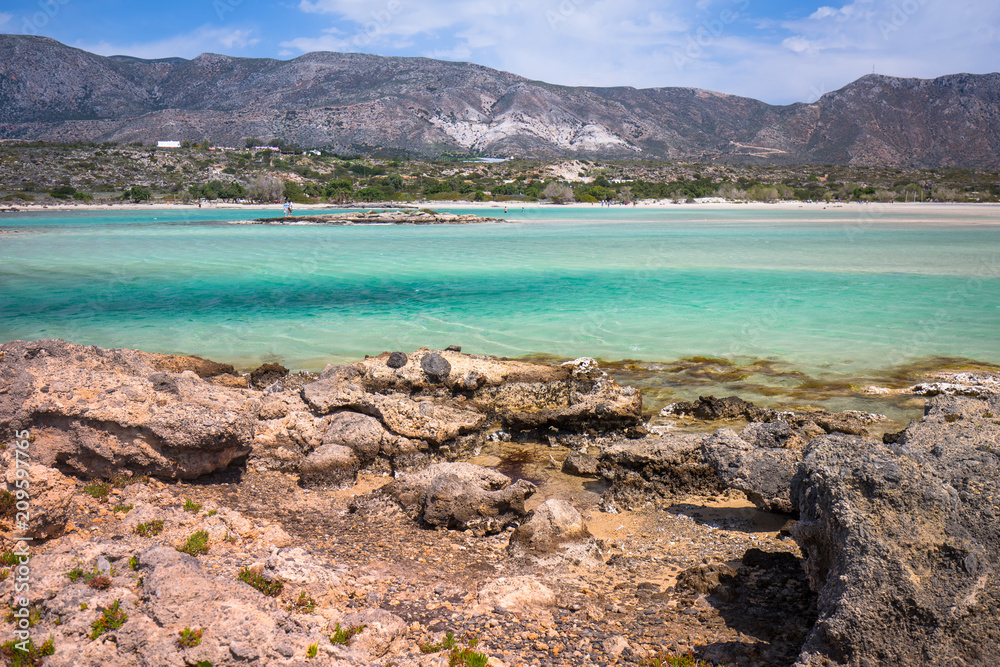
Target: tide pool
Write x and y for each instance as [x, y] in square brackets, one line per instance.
[844, 291]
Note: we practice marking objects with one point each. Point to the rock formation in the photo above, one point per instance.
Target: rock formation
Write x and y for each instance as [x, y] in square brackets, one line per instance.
[97, 412]
[902, 540]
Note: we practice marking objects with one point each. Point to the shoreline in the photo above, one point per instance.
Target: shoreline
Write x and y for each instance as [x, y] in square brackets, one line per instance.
[708, 205]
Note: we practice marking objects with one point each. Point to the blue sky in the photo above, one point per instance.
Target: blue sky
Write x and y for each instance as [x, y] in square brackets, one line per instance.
[778, 51]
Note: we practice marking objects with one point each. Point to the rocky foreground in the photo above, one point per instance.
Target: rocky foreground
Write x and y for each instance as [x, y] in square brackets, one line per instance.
[185, 514]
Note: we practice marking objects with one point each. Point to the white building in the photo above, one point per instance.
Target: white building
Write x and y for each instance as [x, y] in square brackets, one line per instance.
[168, 144]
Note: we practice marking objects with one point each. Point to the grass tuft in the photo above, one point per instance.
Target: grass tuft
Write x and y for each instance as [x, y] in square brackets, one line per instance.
[343, 635]
[196, 544]
[265, 586]
[149, 529]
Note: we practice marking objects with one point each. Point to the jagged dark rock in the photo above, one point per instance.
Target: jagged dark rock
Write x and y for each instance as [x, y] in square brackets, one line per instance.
[54, 92]
[267, 374]
[902, 540]
[763, 473]
[581, 465]
[655, 470]
[710, 408]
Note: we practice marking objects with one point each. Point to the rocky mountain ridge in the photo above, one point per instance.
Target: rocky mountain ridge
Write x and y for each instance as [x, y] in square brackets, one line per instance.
[418, 106]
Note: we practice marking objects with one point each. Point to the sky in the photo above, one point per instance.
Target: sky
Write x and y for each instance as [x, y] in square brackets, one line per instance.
[778, 51]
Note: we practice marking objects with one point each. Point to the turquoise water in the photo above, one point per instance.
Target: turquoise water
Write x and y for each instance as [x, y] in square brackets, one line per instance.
[842, 290]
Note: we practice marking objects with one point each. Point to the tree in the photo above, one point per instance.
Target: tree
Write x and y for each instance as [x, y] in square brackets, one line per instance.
[264, 187]
[293, 192]
[338, 191]
[138, 193]
[559, 193]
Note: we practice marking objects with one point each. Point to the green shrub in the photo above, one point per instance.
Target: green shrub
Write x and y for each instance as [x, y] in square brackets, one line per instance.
[111, 618]
[190, 638]
[98, 490]
[8, 503]
[668, 660]
[196, 544]
[344, 635]
[191, 506]
[150, 529]
[33, 656]
[265, 586]
[313, 650]
[304, 603]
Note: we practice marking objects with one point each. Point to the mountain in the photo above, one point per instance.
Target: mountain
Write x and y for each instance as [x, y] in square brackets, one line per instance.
[350, 102]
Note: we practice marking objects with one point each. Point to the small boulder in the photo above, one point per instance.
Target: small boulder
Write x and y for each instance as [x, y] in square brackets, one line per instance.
[580, 465]
[436, 366]
[267, 374]
[554, 522]
[763, 473]
[396, 360]
[516, 595]
[329, 465]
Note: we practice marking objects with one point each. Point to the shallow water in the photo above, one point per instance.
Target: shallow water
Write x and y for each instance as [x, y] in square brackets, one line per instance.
[798, 306]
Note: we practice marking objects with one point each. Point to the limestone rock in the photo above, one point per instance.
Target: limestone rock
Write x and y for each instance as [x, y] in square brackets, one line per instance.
[49, 497]
[462, 496]
[902, 540]
[763, 473]
[516, 595]
[365, 435]
[97, 412]
[580, 465]
[655, 470]
[329, 465]
[461, 392]
[553, 522]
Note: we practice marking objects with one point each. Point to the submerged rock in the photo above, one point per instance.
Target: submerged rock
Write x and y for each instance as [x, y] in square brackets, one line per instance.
[902, 541]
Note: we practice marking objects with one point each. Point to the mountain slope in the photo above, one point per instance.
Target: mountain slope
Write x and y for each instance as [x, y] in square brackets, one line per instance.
[53, 92]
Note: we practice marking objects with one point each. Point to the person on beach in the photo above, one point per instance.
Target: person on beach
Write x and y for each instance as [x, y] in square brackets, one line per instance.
[287, 208]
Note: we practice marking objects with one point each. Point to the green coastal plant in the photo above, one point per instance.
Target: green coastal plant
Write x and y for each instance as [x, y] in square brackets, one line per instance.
[265, 586]
[111, 618]
[150, 529]
[7, 503]
[122, 508]
[459, 655]
[196, 544]
[98, 490]
[304, 603]
[33, 656]
[674, 660]
[190, 638]
[343, 635]
[191, 506]
[313, 650]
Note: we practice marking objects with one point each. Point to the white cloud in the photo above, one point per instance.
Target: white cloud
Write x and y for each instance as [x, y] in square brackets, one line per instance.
[189, 45]
[726, 45]
[5, 18]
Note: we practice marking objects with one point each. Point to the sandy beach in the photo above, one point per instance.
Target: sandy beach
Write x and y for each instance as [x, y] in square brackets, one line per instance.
[946, 211]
